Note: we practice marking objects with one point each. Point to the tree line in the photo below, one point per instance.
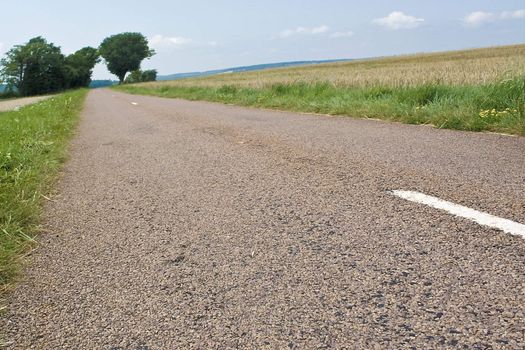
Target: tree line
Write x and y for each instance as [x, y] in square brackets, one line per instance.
[39, 67]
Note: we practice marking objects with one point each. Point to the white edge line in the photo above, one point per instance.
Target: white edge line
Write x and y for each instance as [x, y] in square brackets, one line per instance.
[481, 218]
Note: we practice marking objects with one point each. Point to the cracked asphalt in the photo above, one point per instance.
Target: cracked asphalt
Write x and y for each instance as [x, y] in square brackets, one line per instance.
[193, 225]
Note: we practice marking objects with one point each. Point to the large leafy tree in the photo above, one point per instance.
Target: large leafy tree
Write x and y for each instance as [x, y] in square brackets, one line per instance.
[79, 67]
[34, 68]
[124, 53]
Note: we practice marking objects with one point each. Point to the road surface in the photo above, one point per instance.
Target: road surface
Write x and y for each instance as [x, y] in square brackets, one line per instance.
[181, 225]
[9, 105]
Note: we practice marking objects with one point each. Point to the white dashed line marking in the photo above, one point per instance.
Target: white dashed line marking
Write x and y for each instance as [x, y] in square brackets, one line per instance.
[134, 103]
[481, 218]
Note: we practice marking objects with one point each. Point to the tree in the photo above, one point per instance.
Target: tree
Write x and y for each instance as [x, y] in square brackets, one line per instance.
[149, 75]
[34, 68]
[124, 53]
[79, 67]
[39, 67]
[134, 77]
[138, 76]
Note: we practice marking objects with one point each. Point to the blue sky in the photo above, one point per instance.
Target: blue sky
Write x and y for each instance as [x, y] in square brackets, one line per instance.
[201, 35]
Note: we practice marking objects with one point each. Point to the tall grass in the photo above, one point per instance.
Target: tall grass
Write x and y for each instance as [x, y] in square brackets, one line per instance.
[478, 90]
[496, 107]
[33, 145]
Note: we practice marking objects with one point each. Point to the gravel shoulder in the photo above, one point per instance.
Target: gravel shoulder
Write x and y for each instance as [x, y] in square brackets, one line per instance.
[10, 105]
[195, 225]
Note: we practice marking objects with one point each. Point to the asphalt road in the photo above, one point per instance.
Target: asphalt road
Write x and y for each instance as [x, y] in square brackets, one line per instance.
[9, 105]
[192, 225]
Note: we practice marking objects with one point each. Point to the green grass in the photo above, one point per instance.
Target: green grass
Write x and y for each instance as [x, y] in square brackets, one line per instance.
[496, 106]
[33, 144]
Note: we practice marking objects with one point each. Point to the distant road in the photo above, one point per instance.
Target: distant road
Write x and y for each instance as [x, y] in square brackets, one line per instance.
[196, 225]
[9, 105]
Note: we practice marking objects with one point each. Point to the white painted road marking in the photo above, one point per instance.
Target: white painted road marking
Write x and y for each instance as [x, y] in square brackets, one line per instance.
[481, 218]
[134, 103]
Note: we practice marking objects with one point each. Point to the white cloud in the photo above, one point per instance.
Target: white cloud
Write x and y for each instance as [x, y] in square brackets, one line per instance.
[342, 34]
[478, 18]
[304, 30]
[158, 41]
[398, 20]
[321, 29]
[518, 14]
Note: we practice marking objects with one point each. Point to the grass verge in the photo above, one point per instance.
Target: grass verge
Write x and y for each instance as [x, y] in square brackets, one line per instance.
[33, 144]
[495, 107]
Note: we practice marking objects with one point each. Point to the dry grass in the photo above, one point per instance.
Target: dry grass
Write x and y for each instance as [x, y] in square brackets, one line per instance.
[469, 67]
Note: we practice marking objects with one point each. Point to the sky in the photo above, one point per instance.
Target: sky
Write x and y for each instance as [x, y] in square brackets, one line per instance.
[201, 35]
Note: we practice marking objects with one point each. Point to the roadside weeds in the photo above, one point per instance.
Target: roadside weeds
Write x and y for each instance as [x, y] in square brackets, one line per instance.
[495, 107]
[33, 147]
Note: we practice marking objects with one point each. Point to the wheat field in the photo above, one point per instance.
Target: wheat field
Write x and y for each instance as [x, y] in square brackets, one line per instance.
[468, 67]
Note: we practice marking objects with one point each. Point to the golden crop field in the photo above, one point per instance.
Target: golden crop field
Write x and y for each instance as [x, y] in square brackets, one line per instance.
[478, 90]
[466, 67]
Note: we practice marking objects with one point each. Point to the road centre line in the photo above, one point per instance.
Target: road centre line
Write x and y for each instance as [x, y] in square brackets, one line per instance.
[479, 217]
